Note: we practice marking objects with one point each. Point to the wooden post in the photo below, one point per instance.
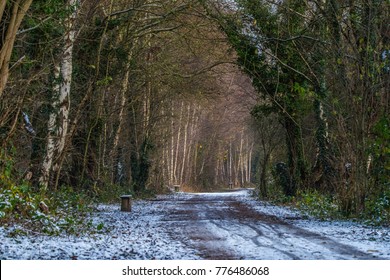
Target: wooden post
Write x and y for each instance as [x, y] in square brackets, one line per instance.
[126, 203]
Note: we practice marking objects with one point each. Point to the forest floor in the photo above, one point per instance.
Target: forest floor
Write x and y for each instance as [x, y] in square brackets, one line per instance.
[228, 225]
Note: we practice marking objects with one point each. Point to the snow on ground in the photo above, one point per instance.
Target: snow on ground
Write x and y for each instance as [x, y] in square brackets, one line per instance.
[147, 233]
[369, 239]
[135, 235]
[273, 232]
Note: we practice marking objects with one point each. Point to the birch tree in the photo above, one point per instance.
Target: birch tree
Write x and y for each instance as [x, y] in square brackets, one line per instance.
[59, 117]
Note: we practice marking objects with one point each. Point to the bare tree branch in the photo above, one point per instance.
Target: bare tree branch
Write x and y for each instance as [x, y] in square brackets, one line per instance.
[34, 27]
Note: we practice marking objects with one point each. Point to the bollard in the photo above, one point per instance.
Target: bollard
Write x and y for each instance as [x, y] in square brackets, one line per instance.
[126, 203]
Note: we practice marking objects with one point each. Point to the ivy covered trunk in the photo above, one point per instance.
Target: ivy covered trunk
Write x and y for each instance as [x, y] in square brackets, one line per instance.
[296, 161]
[140, 165]
[324, 173]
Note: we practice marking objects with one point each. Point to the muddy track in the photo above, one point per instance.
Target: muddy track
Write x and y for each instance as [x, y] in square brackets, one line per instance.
[222, 227]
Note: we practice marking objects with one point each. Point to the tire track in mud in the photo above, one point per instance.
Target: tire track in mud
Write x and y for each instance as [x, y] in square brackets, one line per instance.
[223, 227]
[281, 228]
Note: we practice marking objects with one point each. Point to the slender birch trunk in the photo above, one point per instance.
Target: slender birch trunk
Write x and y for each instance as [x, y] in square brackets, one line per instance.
[188, 173]
[250, 164]
[175, 167]
[241, 158]
[59, 117]
[216, 171]
[172, 149]
[194, 127]
[196, 162]
[230, 164]
[185, 143]
[117, 133]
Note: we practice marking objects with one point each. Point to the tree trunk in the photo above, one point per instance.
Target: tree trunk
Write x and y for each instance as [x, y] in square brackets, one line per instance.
[230, 165]
[263, 176]
[185, 144]
[323, 170]
[59, 117]
[172, 149]
[296, 161]
[241, 160]
[8, 35]
[176, 162]
[123, 99]
[250, 164]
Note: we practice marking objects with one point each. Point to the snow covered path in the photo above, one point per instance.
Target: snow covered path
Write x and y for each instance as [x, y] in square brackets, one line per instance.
[229, 225]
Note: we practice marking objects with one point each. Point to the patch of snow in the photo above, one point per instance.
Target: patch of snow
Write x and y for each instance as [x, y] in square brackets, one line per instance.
[139, 235]
[368, 239]
[181, 225]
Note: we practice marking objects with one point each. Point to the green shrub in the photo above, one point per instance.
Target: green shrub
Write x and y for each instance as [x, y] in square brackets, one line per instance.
[275, 193]
[377, 209]
[318, 205]
[63, 211]
[18, 204]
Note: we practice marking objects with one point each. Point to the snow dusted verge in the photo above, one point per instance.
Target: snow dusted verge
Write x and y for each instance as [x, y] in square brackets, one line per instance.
[150, 231]
[137, 235]
[372, 240]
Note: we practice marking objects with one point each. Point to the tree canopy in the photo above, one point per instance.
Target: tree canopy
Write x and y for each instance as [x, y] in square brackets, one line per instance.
[290, 97]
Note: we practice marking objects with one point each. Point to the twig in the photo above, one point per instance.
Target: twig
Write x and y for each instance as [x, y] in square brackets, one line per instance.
[32, 28]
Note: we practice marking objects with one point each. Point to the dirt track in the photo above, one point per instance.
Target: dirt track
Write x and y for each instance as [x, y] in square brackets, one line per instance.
[221, 226]
[204, 226]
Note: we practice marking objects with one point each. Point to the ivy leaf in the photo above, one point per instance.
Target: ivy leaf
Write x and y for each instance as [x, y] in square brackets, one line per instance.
[100, 226]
